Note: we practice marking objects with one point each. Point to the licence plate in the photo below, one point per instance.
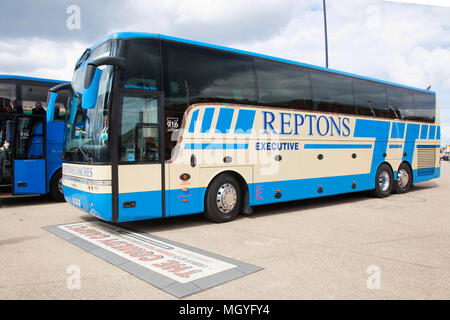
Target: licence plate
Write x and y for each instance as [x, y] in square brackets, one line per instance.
[76, 202]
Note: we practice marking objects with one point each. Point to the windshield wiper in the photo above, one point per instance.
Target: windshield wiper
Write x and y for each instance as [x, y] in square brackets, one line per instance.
[85, 155]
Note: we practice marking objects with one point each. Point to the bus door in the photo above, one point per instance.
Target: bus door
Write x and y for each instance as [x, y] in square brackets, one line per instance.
[29, 156]
[140, 158]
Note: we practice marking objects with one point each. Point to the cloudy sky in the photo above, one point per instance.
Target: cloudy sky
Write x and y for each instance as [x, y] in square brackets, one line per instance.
[399, 42]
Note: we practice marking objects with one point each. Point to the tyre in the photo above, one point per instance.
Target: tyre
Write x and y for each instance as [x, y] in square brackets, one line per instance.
[223, 199]
[404, 179]
[56, 187]
[384, 181]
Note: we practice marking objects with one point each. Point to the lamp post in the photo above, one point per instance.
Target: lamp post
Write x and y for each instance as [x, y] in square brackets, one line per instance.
[326, 35]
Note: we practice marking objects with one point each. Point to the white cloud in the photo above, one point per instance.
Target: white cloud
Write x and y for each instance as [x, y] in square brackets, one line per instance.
[39, 57]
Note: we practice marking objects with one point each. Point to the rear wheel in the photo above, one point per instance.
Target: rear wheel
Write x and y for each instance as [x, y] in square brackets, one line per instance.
[56, 189]
[384, 180]
[223, 199]
[404, 179]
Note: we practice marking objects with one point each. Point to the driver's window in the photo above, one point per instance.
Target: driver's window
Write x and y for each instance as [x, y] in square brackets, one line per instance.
[139, 140]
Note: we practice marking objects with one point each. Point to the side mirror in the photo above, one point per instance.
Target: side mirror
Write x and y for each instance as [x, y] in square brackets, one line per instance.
[51, 105]
[103, 61]
[51, 99]
[89, 98]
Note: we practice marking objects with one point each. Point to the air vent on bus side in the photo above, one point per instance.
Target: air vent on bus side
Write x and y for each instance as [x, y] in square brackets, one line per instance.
[426, 159]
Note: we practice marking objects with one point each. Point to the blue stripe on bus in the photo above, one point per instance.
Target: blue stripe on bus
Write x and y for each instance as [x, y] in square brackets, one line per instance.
[263, 193]
[395, 146]
[207, 146]
[224, 120]
[432, 133]
[438, 133]
[193, 121]
[244, 123]
[207, 120]
[428, 146]
[338, 146]
[424, 132]
[398, 130]
[260, 193]
[98, 205]
[379, 130]
[4, 76]
[412, 133]
[141, 210]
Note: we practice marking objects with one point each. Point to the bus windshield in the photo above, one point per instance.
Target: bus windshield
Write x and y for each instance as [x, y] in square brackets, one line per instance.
[86, 132]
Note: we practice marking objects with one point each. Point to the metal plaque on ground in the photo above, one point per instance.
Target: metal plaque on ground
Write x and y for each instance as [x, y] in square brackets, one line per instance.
[176, 268]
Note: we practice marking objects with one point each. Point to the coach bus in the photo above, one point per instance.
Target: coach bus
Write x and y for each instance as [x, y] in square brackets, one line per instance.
[30, 147]
[166, 127]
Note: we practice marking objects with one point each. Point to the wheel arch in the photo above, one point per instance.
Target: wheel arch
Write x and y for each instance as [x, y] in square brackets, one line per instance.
[52, 172]
[406, 162]
[239, 176]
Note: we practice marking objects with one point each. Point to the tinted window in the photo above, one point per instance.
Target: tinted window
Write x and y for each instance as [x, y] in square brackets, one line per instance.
[401, 102]
[143, 69]
[332, 93]
[7, 95]
[425, 105]
[281, 85]
[197, 75]
[33, 95]
[371, 99]
[30, 138]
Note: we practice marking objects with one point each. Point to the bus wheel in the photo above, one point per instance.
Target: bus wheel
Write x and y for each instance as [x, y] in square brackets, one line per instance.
[56, 187]
[384, 180]
[404, 179]
[223, 199]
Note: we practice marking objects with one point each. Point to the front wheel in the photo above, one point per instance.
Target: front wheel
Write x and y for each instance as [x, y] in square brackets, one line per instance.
[223, 199]
[56, 189]
[384, 180]
[404, 179]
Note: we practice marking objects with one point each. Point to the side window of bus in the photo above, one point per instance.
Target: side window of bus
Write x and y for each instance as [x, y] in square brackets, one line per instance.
[197, 75]
[281, 85]
[425, 106]
[332, 93]
[7, 96]
[401, 102]
[34, 98]
[371, 97]
[139, 140]
[143, 70]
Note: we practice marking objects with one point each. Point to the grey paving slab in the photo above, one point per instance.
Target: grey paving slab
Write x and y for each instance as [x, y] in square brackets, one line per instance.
[109, 257]
[149, 276]
[181, 290]
[83, 244]
[219, 278]
[60, 233]
[248, 268]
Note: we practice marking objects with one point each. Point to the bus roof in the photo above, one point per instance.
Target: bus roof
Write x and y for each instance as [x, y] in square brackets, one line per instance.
[11, 77]
[129, 35]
